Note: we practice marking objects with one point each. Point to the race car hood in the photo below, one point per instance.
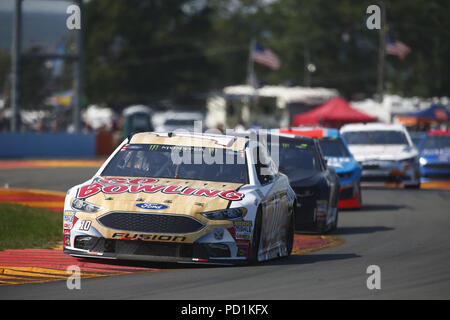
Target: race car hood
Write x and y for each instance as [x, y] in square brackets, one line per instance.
[382, 152]
[158, 195]
[342, 164]
[303, 178]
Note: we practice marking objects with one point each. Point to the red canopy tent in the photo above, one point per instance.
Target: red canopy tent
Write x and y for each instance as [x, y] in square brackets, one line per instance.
[334, 114]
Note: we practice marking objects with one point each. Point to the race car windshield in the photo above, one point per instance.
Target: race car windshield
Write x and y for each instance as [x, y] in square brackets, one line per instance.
[437, 142]
[333, 147]
[180, 122]
[295, 157]
[179, 162]
[375, 137]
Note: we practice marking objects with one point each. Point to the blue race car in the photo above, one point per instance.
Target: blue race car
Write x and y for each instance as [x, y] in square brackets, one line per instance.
[336, 152]
[435, 155]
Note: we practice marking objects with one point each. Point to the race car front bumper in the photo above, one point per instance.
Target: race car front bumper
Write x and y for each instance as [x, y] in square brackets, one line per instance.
[435, 170]
[349, 197]
[391, 171]
[138, 250]
[215, 242]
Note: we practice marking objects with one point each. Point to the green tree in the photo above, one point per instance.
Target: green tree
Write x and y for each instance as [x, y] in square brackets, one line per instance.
[5, 69]
[139, 51]
[35, 80]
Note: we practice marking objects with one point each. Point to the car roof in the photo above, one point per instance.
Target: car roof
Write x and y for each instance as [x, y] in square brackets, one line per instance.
[372, 127]
[439, 133]
[190, 139]
[314, 132]
[247, 134]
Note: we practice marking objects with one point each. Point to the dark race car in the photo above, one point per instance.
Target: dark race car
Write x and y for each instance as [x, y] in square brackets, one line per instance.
[338, 156]
[315, 184]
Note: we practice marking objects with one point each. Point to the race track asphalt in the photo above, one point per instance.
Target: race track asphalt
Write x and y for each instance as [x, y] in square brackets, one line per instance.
[404, 232]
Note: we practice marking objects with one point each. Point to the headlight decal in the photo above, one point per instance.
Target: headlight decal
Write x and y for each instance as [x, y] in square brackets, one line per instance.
[81, 205]
[226, 214]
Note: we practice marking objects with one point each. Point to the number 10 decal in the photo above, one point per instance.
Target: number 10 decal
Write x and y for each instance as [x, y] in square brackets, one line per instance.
[85, 225]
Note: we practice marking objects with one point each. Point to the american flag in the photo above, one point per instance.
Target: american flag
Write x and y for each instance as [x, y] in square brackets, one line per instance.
[266, 57]
[396, 48]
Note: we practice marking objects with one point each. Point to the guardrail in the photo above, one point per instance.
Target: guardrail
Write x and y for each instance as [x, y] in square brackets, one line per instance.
[47, 145]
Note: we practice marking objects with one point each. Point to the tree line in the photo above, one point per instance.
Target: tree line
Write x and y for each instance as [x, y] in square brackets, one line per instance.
[140, 51]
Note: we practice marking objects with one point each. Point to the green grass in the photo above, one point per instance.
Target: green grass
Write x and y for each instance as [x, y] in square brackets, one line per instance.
[23, 227]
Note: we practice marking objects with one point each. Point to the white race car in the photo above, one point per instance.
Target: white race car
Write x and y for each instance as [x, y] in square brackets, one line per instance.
[385, 152]
[182, 198]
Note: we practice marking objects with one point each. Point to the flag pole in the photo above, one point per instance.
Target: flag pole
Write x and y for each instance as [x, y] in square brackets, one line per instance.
[251, 78]
[251, 64]
[381, 53]
[15, 66]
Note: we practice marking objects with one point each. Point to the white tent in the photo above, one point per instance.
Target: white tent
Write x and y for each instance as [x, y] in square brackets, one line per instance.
[217, 113]
[394, 104]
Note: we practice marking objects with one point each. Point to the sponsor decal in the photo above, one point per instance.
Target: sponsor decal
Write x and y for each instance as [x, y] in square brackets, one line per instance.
[242, 252]
[147, 237]
[68, 216]
[67, 241]
[242, 223]
[69, 220]
[243, 226]
[242, 248]
[242, 236]
[218, 233]
[243, 229]
[67, 226]
[152, 206]
[121, 185]
[321, 214]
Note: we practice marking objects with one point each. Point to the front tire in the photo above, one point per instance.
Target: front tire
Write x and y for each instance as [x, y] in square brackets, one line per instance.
[413, 186]
[335, 223]
[290, 233]
[256, 238]
[359, 196]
